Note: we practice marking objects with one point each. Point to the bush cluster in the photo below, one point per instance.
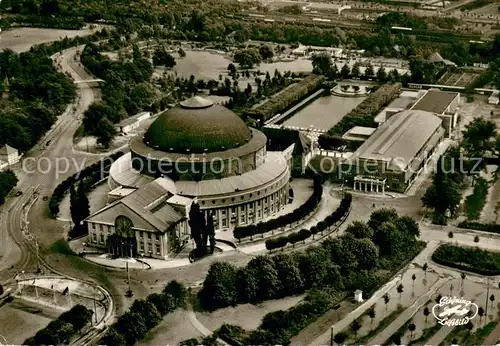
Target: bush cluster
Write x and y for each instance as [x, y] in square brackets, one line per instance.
[90, 175]
[283, 220]
[61, 330]
[145, 314]
[366, 111]
[342, 263]
[363, 258]
[486, 227]
[278, 102]
[304, 234]
[468, 259]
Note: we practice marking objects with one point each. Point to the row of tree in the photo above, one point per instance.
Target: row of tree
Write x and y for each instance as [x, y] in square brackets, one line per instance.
[65, 327]
[88, 177]
[324, 65]
[8, 181]
[298, 214]
[336, 216]
[144, 315]
[344, 264]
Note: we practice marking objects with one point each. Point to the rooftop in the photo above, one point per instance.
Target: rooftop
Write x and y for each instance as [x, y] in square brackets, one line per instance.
[197, 125]
[7, 150]
[400, 138]
[435, 101]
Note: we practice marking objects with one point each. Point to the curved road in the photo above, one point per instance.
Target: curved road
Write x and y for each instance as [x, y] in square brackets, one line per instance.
[38, 171]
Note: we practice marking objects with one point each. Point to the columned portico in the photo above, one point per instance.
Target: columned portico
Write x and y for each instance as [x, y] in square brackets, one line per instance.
[369, 184]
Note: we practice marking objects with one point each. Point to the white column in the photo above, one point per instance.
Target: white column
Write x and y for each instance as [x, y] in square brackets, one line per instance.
[371, 186]
[366, 186]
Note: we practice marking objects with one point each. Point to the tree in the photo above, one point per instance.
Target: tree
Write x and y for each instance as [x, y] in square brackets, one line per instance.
[210, 231]
[413, 278]
[355, 88]
[424, 268]
[400, 289]
[197, 224]
[182, 53]
[438, 298]
[369, 71]
[266, 52]
[105, 132]
[444, 194]
[355, 326]
[267, 279]
[469, 326]
[480, 312]
[96, 112]
[372, 314]
[219, 286]
[113, 337]
[231, 68]
[382, 75]
[366, 253]
[355, 70]
[339, 338]
[83, 200]
[492, 299]
[162, 58]
[462, 275]
[378, 217]
[478, 137]
[387, 299]
[345, 71]
[408, 226]
[411, 328]
[426, 314]
[322, 63]
[246, 58]
[289, 275]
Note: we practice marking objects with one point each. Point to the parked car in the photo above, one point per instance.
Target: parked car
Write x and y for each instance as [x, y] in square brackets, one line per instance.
[19, 193]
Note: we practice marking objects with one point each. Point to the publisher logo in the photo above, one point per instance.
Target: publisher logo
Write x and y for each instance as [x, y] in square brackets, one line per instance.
[453, 311]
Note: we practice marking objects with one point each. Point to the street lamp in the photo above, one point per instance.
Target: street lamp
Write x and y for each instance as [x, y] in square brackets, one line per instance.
[129, 291]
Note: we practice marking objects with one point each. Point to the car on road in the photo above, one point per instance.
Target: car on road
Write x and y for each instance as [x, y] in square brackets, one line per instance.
[19, 193]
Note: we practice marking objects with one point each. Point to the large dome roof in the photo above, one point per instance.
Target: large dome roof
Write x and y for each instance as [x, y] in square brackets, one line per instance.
[197, 126]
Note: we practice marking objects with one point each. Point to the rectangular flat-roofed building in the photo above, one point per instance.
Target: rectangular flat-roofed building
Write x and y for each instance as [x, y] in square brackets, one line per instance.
[444, 104]
[393, 156]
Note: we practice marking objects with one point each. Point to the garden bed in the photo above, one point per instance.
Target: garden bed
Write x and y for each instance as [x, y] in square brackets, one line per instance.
[468, 259]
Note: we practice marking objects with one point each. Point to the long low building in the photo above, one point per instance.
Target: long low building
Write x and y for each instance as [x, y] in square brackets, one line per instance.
[444, 104]
[396, 152]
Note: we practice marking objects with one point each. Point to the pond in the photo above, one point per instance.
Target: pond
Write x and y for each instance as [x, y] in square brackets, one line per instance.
[324, 112]
[206, 65]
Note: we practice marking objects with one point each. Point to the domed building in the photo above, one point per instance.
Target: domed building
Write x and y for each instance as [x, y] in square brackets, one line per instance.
[196, 151]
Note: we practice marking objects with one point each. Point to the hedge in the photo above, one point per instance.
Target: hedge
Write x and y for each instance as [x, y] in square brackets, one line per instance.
[364, 114]
[469, 259]
[283, 220]
[486, 227]
[303, 234]
[283, 100]
[92, 174]
[61, 330]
